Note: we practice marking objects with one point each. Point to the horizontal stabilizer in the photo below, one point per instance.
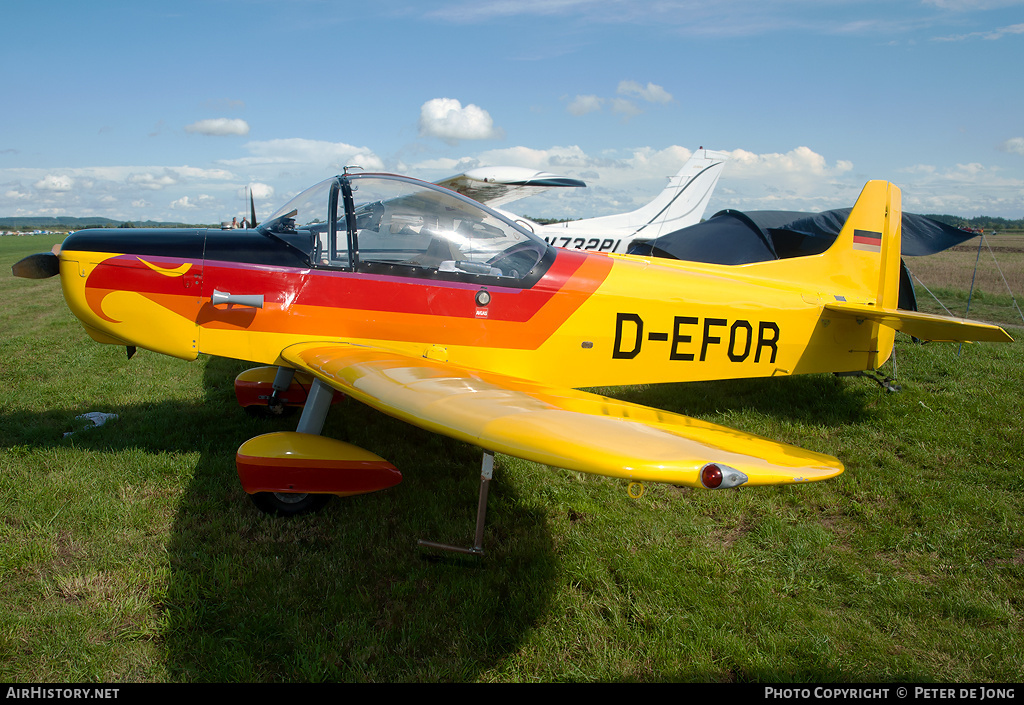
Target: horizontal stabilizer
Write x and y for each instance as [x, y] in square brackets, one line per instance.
[560, 427]
[923, 325]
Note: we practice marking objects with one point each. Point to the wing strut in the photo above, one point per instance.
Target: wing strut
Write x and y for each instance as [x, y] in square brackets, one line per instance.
[486, 473]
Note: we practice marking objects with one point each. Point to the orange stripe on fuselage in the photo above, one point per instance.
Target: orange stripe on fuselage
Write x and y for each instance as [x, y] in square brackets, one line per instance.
[359, 306]
[350, 305]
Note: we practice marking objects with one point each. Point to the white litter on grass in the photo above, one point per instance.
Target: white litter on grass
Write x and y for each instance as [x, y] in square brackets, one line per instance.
[97, 418]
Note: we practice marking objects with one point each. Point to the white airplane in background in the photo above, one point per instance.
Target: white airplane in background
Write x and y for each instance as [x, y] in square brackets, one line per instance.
[679, 205]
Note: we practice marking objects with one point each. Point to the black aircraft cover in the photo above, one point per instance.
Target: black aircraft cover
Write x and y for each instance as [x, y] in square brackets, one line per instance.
[735, 237]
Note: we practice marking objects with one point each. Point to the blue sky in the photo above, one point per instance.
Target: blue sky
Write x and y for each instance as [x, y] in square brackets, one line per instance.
[170, 110]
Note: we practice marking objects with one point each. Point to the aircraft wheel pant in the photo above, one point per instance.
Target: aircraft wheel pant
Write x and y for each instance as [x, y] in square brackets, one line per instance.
[289, 473]
[270, 391]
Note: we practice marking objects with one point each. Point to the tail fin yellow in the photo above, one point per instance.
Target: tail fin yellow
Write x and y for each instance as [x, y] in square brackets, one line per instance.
[864, 263]
[867, 252]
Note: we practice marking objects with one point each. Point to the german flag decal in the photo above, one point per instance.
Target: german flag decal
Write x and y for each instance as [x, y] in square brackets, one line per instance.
[867, 240]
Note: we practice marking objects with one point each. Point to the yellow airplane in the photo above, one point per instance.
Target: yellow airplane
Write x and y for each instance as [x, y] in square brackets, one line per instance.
[432, 308]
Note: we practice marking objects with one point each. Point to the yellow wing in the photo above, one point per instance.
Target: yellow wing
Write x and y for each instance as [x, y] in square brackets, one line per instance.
[561, 427]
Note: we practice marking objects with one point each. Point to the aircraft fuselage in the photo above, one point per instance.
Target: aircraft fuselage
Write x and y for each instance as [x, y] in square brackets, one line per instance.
[586, 320]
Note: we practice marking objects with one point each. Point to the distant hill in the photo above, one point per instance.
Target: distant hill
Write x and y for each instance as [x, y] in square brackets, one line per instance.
[69, 223]
[985, 222]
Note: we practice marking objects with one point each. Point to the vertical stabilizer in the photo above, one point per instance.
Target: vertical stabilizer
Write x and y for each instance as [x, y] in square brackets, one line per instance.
[867, 250]
[864, 261]
[680, 204]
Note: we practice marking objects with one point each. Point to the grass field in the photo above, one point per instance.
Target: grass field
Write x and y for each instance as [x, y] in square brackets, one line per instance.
[130, 553]
[996, 273]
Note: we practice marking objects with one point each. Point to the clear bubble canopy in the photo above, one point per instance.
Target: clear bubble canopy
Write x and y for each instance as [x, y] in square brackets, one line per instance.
[361, 220]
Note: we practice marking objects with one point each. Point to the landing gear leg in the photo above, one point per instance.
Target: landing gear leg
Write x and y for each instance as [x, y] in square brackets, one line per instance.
[282, 380]
[486, 473]
[314, 413]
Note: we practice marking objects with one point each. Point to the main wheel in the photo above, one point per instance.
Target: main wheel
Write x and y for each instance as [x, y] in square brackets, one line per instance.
[289, 504]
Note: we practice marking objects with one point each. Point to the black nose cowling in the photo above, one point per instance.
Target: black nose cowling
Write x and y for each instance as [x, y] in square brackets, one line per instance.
[42, 265]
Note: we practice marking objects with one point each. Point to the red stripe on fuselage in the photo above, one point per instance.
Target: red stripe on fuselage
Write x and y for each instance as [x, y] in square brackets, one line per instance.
[318, 302]
[395, 294]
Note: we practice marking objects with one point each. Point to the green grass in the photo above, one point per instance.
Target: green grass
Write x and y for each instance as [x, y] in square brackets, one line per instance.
[1003, 309]
[130, 552]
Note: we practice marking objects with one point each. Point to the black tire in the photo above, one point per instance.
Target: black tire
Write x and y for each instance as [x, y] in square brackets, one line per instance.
[288, 504]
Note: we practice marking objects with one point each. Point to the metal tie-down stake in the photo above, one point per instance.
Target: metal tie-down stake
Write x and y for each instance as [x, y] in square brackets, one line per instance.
[486, 473]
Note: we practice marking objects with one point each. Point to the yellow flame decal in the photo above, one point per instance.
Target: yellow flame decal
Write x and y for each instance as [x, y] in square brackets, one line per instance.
[176, 272]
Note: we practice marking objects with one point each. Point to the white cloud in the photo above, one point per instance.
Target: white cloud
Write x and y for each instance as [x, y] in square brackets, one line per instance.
[260, 192]
[151, 181]
[801, 160]
[193, 172]
[652, 92]
[446, 164]
[919, 169]
[1004, 31]
[551, 159]
[117, 192]
[155, 179]
[55, 182]
[583, 104]
[972, 168]
[308, 155]
[962, 189]
[446, 119]
[660, 162]
[1014, 145]
[800, 179]
[219, 127]
[641, 163]
[625, 108]
[183, 204]
[990, 35]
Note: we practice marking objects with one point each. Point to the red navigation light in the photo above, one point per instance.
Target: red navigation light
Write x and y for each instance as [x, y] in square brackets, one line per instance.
[711, 476]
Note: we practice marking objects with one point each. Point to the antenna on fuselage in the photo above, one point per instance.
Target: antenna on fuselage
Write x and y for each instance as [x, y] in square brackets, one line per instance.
[252, 210]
